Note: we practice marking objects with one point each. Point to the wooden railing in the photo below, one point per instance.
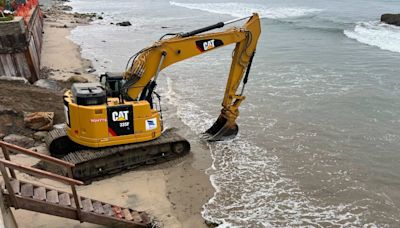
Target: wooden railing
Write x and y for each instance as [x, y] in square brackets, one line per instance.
[7, 163]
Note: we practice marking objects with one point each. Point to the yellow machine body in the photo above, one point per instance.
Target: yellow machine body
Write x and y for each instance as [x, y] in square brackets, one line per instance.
[112, 123]
[128, 118]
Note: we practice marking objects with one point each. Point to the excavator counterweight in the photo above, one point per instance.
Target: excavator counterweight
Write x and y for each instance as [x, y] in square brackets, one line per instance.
[114, 125]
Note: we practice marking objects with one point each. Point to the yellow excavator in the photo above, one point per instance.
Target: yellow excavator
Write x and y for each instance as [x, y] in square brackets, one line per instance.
[115, 124]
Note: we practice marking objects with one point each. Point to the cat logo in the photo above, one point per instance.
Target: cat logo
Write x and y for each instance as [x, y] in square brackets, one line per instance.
[208, 45]
[120, 115]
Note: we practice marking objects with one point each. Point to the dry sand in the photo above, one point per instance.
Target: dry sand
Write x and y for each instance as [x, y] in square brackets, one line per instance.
[172, 192]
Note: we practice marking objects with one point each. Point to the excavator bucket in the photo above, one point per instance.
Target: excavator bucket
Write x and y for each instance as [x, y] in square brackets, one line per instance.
[222, 129]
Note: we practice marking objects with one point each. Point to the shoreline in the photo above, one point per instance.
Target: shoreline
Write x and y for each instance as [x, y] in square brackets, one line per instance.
[173, 192]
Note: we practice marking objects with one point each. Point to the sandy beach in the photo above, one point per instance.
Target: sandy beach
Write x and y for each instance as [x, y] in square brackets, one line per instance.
[172, 192]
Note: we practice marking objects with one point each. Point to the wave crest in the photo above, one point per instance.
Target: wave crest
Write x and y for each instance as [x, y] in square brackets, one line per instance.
[383, 36]
[244, 9]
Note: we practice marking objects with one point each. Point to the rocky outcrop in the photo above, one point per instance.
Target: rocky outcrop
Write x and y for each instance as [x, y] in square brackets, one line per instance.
[392, 19]
[124, 23]
[19, 140]
[41, 121]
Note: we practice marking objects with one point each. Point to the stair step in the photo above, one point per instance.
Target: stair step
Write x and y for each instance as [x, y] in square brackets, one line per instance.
[15, 186]
[136, 216]
[52, 196]
[65, 199]
[27, 190]
[98, 207]
[39, 193]
[127, 214]
[117, 212]
[87, 205]
[108, 210]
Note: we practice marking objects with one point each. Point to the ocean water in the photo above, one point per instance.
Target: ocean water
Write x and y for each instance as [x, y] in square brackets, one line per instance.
[319, 141]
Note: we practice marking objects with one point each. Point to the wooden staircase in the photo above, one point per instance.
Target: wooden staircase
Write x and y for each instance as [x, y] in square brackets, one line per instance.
[42, 199]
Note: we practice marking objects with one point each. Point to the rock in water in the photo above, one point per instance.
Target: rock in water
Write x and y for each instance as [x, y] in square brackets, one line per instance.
[124, 23]
[41, 121]
[19, 140]
[392, 19]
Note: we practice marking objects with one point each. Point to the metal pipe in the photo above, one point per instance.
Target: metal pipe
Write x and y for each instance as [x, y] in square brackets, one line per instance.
[211, 27]
[163, 54]
[236, 20]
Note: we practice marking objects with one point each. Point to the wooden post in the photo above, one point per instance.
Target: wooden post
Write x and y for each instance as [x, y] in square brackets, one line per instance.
[7, 157]
[8, 218]
[8, 186]
[75, 194]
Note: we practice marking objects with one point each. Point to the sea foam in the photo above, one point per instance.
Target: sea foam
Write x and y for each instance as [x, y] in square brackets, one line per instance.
[250, 187]
[245, 9]
[383, 36]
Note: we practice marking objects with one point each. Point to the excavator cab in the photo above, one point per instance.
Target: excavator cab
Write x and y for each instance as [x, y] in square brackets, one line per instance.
[113, 83]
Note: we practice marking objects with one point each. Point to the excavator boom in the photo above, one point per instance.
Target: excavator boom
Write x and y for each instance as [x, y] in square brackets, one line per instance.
[142, 75]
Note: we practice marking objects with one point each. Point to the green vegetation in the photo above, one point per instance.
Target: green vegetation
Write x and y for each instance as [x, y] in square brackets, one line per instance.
[6, 18]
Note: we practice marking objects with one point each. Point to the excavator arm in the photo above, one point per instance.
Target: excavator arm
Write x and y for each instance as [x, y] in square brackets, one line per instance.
[142, 75]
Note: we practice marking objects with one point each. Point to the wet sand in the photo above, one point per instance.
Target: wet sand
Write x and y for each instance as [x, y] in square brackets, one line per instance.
[172, 192]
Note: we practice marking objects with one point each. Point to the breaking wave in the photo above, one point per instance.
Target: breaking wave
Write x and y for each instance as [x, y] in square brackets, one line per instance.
[244, 9]
[383, 36]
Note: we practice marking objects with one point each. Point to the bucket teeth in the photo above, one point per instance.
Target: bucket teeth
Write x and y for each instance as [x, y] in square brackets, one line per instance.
[222, 129]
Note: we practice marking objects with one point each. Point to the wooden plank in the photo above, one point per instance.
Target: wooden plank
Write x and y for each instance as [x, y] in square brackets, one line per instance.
[27, 190]
[127, 214]
[46, 208]
[98, 207]
[87, 205]
[11, 66]
[73, 205]
[15, 184]
[52, 196]
[117, 212]
[40, 173]
[53, 160]
[136, 216]
[65, 199]
[16, 66]
[108, 210]
[39, 193]
[2, 72]
[3, 61]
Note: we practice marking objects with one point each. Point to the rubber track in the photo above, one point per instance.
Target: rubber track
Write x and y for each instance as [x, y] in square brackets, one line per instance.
[97, 163]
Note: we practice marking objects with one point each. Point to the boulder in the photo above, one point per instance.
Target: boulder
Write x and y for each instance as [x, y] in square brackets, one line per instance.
[124, 23]
[77, 78]
[392, 19]
[40, 121]
[40, 135]
[2, 135]
[19, 140]
[41, 149]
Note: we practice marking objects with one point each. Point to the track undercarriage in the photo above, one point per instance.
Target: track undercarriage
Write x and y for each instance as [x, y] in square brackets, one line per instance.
[96, 163]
